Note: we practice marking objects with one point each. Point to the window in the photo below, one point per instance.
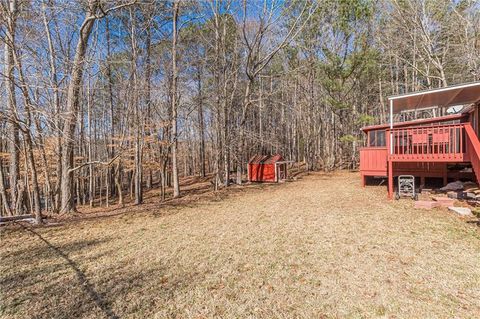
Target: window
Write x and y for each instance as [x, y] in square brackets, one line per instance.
[376, 138]
[371, 138]
[381, 139]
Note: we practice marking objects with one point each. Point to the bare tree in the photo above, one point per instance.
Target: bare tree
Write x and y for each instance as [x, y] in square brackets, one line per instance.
[72, 102]
[174, 98]
[10, 11]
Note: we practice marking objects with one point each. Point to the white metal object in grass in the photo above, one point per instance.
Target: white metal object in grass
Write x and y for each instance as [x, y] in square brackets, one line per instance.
[406, 187]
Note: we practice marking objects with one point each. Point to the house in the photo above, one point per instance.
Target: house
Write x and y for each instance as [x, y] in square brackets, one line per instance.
[433, 133]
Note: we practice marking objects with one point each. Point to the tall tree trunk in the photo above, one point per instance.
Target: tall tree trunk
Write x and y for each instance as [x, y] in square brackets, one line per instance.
[72, 107]
[110, 103]
[14, 141]
[148, 95]
[91, 176]
[54, 82]
[216, 73]
[3, 193]
[36, 189]
[242, 128]
[138, 173]
[118, 184]
[28, 141]
[176, 184]
[201, 124]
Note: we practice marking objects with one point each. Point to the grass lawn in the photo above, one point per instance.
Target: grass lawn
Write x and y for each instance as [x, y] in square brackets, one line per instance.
[321, 247]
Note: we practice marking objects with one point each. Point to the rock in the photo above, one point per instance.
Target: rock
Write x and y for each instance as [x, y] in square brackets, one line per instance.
[463, 211]
[454, 186]
[455, 195]
[426, 204]
[469, 195]
[444, 201]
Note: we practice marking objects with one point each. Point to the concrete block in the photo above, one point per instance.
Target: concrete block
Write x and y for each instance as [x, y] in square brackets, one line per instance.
[426, 204]
[444, 201]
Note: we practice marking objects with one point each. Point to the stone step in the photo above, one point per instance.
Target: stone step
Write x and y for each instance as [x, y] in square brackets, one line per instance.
[444, 201]
[426, 204]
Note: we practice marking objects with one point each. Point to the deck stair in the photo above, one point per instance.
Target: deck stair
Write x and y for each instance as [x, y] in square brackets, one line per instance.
[473, 149]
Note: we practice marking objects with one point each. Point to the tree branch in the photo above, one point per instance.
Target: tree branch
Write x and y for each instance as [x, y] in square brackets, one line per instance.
[94, 163]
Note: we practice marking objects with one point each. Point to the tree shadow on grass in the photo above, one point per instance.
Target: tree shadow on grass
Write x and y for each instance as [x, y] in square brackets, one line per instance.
[37, 252]
[82, 279]
[44, 281]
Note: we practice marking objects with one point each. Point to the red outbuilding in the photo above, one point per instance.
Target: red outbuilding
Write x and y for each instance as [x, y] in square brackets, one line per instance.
[267, 168]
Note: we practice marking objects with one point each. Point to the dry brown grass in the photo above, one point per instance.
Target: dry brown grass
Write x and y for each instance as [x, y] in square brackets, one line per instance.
[318, 247]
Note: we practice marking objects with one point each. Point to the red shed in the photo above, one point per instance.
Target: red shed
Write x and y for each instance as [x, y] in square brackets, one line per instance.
[267, 168]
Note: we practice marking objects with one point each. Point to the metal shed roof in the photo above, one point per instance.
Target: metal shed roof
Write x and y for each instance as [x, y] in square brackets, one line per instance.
[265, 159]
[452, 95]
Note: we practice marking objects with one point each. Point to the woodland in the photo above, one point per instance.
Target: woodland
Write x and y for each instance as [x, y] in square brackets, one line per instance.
[100, 99]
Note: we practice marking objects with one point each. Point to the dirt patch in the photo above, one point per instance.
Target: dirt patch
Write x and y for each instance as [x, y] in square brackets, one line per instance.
[318, 247]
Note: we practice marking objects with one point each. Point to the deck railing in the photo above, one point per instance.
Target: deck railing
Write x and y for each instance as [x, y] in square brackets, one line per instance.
[428, 143]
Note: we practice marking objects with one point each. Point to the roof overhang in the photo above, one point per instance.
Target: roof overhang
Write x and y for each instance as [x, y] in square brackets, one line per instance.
[462, 94]
[440, 119]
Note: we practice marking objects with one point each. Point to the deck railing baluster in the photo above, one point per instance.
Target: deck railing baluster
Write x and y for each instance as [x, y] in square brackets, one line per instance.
[422, 144]
[454, 142]
[442, 143]
[397, 149]
[429, 147]
[452, 134]
[461, 140]
[401, 140]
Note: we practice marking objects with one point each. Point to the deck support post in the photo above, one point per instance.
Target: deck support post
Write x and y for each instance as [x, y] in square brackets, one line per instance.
[390, 163]
[390, 180]
[391, 127]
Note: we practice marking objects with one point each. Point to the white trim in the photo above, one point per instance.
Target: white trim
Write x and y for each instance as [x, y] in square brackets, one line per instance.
[448, 88]
[391, 127]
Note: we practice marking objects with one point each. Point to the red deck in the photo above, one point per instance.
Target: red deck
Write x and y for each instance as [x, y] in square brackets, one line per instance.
[439, 143]
[440, 146]
[373, 161]
[422, 151]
